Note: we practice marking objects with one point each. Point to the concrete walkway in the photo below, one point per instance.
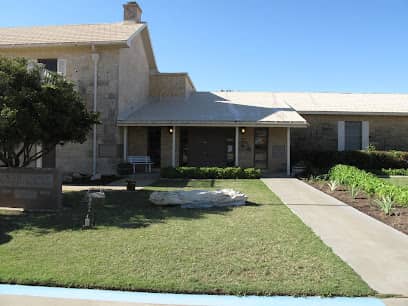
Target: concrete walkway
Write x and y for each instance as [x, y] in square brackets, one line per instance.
[377, 252]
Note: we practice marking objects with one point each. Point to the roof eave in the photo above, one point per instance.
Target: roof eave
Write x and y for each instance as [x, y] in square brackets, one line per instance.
[350, 113]
[291, 124]
[120, 43]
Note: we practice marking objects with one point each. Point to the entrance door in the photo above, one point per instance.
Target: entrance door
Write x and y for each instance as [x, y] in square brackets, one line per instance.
[261, 148]
[210, 147]
[154, 145]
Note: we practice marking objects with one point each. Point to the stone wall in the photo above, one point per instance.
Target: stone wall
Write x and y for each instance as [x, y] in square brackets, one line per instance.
[30, 189]
[386, 132]
[170, 84]
[134, 77]
[137, 141]
[277, 149]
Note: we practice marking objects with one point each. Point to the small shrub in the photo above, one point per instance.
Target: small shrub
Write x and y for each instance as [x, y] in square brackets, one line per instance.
[333, 184]
[210, 173]
[354, 191]
[386, 204]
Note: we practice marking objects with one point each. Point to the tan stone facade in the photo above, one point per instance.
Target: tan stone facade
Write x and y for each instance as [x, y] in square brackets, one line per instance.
[385, 132]
[170, 85]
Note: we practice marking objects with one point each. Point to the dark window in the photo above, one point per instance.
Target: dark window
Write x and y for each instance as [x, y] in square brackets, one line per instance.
[154, 145]
[353, 135]
[50, 64]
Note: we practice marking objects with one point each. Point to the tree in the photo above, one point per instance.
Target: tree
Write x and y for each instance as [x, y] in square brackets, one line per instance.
[37, 107]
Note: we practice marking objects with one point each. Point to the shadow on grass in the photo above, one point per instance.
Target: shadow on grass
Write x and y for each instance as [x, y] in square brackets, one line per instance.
[121, 209]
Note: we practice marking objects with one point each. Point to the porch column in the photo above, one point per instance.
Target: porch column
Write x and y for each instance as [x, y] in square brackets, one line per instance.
[288, 151]
[173, 148]
[125, 142]
[38, 162]
[236, 146]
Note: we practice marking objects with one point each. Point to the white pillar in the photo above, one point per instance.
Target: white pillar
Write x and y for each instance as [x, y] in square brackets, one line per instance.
[173, 148]
[125, 142]
[236, 146]
[95, 59]
[288, 151]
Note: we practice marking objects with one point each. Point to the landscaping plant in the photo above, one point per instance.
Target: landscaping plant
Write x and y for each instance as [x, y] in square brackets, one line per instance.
[386, 204]
[368, 182]
[210, 173]
[333, 184]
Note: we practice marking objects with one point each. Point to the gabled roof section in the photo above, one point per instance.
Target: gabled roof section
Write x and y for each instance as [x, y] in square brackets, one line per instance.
[218, 109]
[85, 34]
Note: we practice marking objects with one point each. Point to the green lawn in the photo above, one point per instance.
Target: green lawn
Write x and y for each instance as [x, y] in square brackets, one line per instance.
[399, 181]
[261, 248]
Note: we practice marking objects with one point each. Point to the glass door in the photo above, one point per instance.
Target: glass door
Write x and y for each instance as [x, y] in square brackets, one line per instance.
[261, 148]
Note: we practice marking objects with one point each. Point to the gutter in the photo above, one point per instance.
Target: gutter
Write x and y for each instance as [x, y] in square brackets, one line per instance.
[95, 59]
[291, 124]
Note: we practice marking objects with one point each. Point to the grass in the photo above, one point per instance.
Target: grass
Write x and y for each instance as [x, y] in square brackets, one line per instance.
[399, 181]
[259, 249]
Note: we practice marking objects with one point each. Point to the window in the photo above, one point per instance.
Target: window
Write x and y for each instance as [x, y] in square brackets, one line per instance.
[353, 135]
[50, 64]
[55, 65]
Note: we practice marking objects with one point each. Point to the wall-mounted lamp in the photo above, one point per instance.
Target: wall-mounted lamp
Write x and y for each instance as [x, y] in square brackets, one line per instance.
[171, 130]
[243, 130]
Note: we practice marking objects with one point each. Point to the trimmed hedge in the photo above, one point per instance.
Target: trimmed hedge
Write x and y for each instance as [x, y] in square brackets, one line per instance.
[402, 171]
[367, 160]
[368, 182]
[210, 173]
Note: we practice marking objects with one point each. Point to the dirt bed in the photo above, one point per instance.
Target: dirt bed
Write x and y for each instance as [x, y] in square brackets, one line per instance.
[365, 204]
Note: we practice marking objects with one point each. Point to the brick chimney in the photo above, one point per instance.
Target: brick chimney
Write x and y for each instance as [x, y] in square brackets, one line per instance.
[132, 12]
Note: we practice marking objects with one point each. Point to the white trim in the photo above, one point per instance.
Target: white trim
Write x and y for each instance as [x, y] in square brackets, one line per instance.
[125, 142]
[352, 113]
[236, 146]
[38, 162]
[62, 66]
[139, 30]
[365, 134]
[173, 148]
[288, 151]
[341, 136]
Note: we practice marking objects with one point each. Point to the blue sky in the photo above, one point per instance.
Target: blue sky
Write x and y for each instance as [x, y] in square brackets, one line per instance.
[268, 45]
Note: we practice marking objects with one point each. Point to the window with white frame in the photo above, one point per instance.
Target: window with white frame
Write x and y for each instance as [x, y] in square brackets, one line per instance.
[353, 135]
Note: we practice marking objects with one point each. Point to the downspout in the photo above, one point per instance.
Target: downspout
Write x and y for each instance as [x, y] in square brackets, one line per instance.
[95, 59]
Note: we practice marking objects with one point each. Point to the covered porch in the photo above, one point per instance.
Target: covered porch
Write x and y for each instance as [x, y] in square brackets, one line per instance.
[224, 129]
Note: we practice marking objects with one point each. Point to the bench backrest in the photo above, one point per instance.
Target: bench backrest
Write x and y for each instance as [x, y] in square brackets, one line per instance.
[139, 159]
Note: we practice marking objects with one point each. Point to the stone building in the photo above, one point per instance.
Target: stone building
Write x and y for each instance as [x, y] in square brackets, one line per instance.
[145, 112]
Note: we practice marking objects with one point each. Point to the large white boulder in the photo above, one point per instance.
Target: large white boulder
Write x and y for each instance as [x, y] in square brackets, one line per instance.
[199, 198]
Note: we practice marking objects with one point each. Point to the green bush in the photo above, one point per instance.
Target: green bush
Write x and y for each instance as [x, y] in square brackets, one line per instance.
[368, 182]
[402, 171]
[210, 173]
[319, 162]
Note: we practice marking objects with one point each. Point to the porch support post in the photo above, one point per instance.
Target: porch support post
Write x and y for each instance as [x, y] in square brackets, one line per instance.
[288, 151]
[173, 148]
[236, 146]
[38, 162]
[125, 142]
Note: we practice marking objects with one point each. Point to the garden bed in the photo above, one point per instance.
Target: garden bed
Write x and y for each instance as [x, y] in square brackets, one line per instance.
[365, 204]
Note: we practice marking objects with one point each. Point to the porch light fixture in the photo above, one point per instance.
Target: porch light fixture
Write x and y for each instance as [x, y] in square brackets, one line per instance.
[171, 130]
[243, 130]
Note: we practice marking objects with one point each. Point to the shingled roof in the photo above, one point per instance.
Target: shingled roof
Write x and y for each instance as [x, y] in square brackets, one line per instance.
[85, 34]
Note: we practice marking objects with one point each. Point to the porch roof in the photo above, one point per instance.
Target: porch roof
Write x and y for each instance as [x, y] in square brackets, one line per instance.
[215, 109]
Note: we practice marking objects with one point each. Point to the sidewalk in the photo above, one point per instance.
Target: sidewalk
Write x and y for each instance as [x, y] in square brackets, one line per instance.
[377, 252]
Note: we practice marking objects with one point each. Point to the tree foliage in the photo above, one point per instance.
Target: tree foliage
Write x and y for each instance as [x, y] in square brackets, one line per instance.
[37, 107]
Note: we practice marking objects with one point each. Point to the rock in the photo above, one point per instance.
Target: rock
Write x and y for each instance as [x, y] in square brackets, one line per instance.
[199, 198]
[67, 179]
[96, 177]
